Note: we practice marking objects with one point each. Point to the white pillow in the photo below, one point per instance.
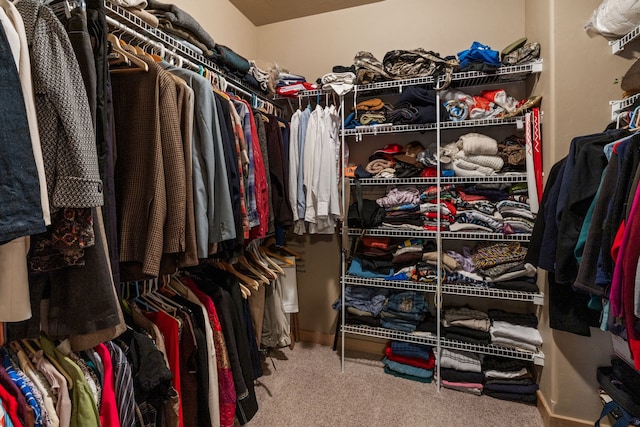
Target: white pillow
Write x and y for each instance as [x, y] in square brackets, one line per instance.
[614, 17]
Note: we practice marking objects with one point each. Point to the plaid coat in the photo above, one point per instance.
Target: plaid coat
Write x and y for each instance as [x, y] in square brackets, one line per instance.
[150, 168]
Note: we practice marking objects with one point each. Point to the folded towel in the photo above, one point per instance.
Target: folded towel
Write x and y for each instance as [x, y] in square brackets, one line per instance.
[378, 165]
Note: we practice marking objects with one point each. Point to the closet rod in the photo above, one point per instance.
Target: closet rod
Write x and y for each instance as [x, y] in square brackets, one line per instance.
[181, 61]
[162, 51]
[129, 20]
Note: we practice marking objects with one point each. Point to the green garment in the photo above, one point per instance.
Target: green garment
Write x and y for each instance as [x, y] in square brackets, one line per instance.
[84, 412]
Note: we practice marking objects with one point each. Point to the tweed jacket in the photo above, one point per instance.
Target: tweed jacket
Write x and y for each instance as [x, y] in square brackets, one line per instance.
[150, 169]
[64, 118]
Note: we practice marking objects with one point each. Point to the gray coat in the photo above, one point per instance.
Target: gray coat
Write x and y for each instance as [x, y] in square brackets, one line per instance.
[64, 118]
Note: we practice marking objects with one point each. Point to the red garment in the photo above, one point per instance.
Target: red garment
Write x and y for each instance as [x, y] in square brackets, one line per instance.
[537, 152]
[629, 264]
[226, 387]
[108, 408]
[375, 242]
[261, 190]
[413, 361]
[169, 328]
[10, 406]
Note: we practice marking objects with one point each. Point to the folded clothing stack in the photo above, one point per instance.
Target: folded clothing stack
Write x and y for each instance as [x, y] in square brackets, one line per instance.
[467, 325]
[461, 371]
[417, 105]
[404, 310]
[507, 334]
[500, 261]
[409, 360]
[512, 151]
[509, 379]
[363, 304]
[490, 104]
[429, 207]
[510, 275]
[377, 257]
[473, 154]
[516, 216]
[402, 206]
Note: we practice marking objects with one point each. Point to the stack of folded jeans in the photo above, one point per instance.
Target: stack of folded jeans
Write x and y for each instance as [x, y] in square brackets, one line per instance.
[409, 360]
[404, 310]
[508, 379]
[363, 304]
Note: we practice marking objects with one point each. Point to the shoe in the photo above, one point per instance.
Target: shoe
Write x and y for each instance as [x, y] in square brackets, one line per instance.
[526, 53]
[513, 46]
[524, 105]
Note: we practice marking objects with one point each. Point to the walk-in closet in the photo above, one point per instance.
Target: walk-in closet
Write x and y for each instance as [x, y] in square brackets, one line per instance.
[354, 213]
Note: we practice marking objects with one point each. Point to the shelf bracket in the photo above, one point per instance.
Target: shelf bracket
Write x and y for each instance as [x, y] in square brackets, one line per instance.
[538, 299]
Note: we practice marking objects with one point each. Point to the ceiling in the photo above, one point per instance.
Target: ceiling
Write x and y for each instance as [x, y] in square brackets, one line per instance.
[262, 12]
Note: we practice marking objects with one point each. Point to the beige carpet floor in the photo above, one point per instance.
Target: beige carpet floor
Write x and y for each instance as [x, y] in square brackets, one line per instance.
[304, 387]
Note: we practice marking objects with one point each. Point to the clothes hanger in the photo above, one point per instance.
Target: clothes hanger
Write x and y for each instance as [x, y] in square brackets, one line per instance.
[246, 292]
[279, 257]
[262, 266]
[117, 46]
[224, 265]
[270, 261]
[242, 260]
[271, 241]
[36, 345]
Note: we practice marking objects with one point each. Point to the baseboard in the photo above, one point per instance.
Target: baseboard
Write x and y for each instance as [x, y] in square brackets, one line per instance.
[361, 344]
[316, 337]
[553, 420]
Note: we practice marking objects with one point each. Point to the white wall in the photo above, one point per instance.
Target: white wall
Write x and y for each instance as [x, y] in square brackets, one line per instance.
[312, 45]
[224, 23]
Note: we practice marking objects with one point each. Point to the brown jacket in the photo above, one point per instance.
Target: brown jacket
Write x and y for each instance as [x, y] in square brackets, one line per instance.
[150, 168]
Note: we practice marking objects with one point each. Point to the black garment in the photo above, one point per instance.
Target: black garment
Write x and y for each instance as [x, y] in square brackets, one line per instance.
[233, 177]
[522, 319]
[542, 246]
[617, 209]
[524, 285]
[473, 336]
[457, 376]
[77, 29]
[568, 310]
[587, 272]
[279, 181]
[531, 399]
[104, 126]
[580, 190]
[201, 366]
[497, 363]
[151, 377]
[256, 364]
[216, 284]
[378, 266]
[513, 381]
[354, 319]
